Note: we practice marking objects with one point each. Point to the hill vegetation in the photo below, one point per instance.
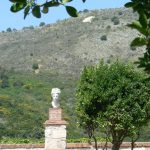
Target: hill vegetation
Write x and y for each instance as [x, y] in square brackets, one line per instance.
[26, 99]
[34, 60]
[70, 44]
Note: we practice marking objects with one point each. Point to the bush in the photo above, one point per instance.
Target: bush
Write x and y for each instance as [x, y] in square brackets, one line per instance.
[108, 27]
[4, 83]
[35, 66]
[9, 30]
[18, 84]
[120, 13]
[31, 27]
[42, 24]
[85, 10]
[28, 86]
[14, 29]
[31, 54]
[133, 48]
[104, 38]
[115, 20]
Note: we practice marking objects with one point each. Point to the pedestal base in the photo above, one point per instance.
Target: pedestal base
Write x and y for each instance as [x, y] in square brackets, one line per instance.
[55, 131]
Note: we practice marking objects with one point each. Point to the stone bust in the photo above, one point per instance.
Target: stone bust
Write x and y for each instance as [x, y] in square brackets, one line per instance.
[55, 97]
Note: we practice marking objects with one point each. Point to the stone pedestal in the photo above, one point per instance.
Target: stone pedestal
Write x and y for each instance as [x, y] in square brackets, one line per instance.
[55, 130]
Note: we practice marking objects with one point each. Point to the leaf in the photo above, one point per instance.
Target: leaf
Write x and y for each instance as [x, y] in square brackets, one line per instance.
[71, 11]
[51, 4]
[66, 1]
[26, 11]
[17, 7]
[139, 41]
[36, 12]
[143, 19]
[137, 25]
[18, 1]
[129, 4]
[45, 10]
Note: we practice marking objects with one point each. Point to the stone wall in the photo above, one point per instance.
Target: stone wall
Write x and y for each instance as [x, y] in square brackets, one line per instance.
[75, 146]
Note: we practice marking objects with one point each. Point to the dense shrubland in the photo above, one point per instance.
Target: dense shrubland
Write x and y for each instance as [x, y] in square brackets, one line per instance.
[25, 101]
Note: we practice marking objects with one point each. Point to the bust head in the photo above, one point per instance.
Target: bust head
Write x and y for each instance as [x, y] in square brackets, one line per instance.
[55, 97]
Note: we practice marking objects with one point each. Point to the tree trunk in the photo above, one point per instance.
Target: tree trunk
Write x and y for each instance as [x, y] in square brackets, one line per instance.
[116, 145]
[95, 141]
[132, 145]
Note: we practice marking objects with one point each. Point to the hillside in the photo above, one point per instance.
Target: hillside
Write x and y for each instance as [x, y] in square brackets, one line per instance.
[70, 44]
[61, 51]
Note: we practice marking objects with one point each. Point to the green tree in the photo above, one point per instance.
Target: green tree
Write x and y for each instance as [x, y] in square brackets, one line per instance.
[114, 98]
[142, 25]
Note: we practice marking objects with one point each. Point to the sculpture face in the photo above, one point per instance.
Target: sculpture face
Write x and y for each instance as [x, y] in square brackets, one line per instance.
[55, 96]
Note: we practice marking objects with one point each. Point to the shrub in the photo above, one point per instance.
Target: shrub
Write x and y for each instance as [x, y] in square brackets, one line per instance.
[18, 84]
[104, 17]
[9, 30]
[120, 13]
[31, 27]
[108, 27]
[28, 86]
[115, 20]
[104, 38]
[35, 66]
[42, 24]
[132, 48]
[24, 28]
[31, 54]
[14, 29]
[85, 10]
[4, 83]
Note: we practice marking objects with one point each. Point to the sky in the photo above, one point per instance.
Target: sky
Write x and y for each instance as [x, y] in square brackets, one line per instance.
[15, 20]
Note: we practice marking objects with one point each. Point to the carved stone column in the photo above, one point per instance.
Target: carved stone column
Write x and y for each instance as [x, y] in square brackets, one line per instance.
[55, 130]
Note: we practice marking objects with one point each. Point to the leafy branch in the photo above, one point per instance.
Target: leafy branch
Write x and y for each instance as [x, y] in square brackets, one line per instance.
[31, 6]
[142, 25]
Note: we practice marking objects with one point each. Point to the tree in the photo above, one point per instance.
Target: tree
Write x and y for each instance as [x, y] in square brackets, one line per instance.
[114, 98]
[42, 24]
[9, 30]
[142, 25]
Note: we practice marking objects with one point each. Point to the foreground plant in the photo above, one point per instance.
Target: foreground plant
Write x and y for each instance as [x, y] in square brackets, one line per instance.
[142, 25]
[113, 98]
[31, 6]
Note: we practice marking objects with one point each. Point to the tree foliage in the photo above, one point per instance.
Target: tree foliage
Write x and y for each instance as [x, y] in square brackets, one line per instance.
[114, 98]
[142, 25]
[31, 6]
